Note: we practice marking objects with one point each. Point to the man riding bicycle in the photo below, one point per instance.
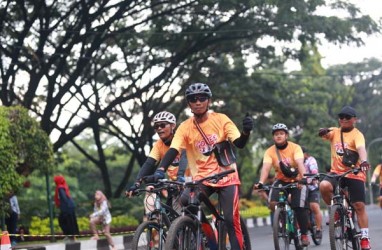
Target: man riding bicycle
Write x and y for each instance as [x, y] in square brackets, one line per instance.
[377, 174]
[347, 145]
[207, 138]
[288, 161]
[164, 125]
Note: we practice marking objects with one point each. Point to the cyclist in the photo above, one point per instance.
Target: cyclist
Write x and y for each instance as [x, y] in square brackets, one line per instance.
[199, 135]
[346, 141]
[288, 161]
[378, 173]
[164, 125]
[311, 167]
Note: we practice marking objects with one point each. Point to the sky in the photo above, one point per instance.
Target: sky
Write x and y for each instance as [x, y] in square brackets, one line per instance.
[333, 54]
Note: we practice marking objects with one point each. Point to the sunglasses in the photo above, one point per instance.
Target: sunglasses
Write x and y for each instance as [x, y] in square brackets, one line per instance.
[346, 117]
[160, 125]
[194, 99]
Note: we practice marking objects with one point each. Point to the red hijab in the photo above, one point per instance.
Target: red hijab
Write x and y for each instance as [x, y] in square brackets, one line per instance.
[60, 183]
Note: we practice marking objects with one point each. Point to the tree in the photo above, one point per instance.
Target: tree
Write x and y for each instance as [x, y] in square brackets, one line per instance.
[81, 65]
[24, 148]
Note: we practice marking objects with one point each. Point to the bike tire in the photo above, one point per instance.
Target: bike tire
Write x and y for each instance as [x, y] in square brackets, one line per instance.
[145, 236]
[355, 240]
[337, 233]
[182, 234]
[281, 238]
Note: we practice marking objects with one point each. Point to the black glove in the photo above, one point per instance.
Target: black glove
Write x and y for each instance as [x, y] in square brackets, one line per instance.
[258, 185]
[247, 124]
[323, 131]
[159, 174]
[133, 188]
[365, 166]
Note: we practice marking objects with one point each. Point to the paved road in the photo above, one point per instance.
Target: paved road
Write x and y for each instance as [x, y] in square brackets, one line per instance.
[262, 238]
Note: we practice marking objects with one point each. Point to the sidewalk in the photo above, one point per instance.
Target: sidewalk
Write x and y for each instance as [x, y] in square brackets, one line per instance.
[121, 241]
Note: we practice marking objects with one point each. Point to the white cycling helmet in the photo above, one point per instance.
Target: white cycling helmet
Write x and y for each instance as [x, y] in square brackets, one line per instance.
[279, 126]
[198, 88]
[164, 116]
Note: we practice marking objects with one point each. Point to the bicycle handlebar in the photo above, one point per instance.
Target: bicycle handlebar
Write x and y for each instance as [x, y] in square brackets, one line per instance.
[333, 175]
[280, 186]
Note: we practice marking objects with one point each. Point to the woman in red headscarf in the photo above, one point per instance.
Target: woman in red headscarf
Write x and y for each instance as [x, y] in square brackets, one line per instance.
[67, 217]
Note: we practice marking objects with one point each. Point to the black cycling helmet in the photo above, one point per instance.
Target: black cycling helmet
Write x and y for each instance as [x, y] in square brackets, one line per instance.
[198, 88]
[279, 126]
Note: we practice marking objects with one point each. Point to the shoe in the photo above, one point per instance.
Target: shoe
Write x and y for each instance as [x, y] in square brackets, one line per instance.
[305, 240]
[318, 234]
[365, 244]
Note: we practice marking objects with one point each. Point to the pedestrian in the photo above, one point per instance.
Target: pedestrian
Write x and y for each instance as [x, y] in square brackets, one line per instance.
[348, 150]
[67, 218]
[13, 217]
[101, 216]
[208, 138]
[311, 167]
[287, 159]
[378, 174]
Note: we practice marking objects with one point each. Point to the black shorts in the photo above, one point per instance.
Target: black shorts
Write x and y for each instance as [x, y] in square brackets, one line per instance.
[299, 197]
[356, 188]
[314, 196]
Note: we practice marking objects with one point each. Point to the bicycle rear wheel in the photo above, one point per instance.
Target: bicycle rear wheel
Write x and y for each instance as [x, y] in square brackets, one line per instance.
[182, 235]
[147, 237]
[337, 233]
[280, 233]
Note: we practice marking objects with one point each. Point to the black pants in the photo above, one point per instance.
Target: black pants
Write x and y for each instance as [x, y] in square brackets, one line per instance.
[68, 223]
[11, 223]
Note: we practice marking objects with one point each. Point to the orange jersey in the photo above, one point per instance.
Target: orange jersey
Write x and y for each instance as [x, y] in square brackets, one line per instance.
[377, 172]
[218, 127]
[289, 155]
[352, 140]
[158, 151]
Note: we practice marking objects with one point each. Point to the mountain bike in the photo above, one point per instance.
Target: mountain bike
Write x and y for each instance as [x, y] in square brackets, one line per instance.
[285, 226]
[192, 230]
[343, 227]
[151, 234]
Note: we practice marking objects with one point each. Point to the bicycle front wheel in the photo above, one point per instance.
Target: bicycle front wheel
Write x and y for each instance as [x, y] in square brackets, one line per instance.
[182, 235]
[280, 233]
[147, 237]
[337, 233]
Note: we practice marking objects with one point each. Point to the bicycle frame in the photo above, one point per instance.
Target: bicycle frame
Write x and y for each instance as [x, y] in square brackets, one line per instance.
[341, 204]
[157, 220]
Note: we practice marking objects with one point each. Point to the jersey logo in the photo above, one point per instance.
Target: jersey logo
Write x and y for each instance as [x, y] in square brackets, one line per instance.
[202, 145]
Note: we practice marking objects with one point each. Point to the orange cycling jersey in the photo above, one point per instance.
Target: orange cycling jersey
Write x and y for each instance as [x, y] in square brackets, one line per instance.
[378, 172]
[218, 127]
[352, 140]
[289, 155]
[158, 151]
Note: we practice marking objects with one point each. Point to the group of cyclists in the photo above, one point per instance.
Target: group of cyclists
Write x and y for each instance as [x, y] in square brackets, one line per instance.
[203, 144]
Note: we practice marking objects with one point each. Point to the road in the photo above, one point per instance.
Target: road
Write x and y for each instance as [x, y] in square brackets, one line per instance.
[262, 238]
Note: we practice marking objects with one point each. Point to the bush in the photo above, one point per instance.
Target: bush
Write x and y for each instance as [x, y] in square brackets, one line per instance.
[40, 226]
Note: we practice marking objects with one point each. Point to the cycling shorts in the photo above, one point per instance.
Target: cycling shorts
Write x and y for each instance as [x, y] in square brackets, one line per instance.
[356, 188]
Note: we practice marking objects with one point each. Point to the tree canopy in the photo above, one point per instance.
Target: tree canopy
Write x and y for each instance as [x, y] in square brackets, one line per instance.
[107, 67]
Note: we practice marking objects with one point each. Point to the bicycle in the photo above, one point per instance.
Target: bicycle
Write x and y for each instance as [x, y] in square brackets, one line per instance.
[285, 226]
[343, 229]
[192, 230]
[151, 234]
